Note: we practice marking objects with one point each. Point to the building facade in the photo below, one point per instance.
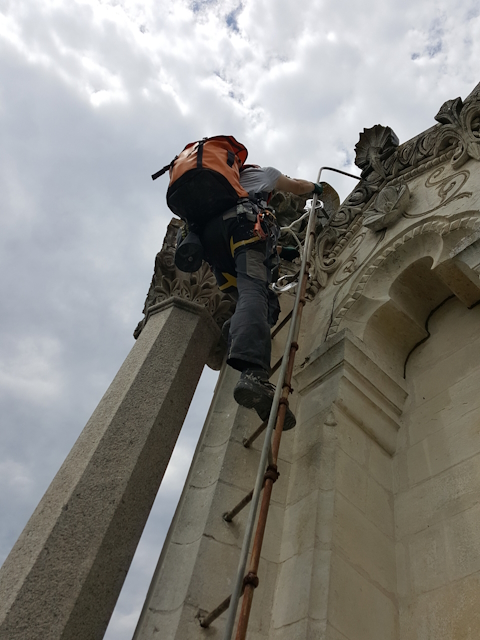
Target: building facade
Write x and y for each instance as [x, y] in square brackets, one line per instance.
[374, 527]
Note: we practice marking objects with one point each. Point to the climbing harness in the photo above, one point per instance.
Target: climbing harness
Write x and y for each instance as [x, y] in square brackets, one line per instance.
[267, 469]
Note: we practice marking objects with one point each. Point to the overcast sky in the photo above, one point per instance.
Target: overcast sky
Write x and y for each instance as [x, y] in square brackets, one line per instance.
[95, 95]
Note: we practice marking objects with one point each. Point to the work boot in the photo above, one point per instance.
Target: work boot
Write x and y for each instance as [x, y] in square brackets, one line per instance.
[254, 391]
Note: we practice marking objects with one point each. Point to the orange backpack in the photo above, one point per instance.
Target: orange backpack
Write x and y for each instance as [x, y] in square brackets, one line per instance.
[205, 179]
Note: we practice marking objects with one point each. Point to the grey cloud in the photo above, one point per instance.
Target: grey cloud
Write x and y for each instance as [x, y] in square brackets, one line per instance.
[80, 218]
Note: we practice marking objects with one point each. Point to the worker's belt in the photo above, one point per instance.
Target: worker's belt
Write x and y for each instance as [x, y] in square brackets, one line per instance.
[232, 213]
[244, 207]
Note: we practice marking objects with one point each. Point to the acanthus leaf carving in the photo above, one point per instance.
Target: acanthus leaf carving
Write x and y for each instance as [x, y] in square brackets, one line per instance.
[461, 129]
[199, 287]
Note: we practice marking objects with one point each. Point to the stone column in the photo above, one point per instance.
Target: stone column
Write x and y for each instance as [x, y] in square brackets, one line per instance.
[64, 574]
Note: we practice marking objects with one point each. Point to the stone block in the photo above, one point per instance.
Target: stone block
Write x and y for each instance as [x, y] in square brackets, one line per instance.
[167, 630]
[446, 447]
[334, 634]
[351, 438]
[380, 465]
[427, 559]
[310, 433]
[379, 507]
[168, 595]
[232, 533]
[292, 594]
[324, 524]
[439, 348]
[224, 499]
[438, 498]
[463, 543]
[313, 471]
[240, 466]
[263, 600]
[351, 480]
[206, 466]
[214, 574]
[224, 411]
[400, 472]
[191, 518]
[319, 592]
[296, 631]
[189, 627]
[363, 545]
[403, 569]
[358, 609]
[299, 527]
[317, 400]
[364, 408]
[456, 367]
[448, 613]
[438, 412]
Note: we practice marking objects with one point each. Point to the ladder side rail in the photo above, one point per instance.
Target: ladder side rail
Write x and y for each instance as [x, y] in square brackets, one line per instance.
[232, 611]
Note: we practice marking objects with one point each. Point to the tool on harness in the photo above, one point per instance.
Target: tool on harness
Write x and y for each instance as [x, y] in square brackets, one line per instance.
[257, 229]
[189, 253]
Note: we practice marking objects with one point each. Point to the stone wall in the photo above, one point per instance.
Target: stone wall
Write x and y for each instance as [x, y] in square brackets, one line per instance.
[437, 482]
[373, 532]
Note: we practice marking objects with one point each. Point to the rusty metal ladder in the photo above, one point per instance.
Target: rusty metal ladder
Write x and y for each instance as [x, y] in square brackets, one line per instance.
[267, 474]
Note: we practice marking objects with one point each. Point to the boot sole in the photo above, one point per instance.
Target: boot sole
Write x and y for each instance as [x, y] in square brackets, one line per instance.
[262, 406]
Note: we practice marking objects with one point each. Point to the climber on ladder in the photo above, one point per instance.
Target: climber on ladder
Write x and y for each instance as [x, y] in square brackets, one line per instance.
[239, 240]
[238, 236]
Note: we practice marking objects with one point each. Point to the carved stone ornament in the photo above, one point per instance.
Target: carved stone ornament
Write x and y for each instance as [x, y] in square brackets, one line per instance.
[385, 163]
[199, 287]
[389, 205]
[373, 149]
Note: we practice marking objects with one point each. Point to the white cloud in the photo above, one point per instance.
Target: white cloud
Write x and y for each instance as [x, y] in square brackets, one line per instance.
[95, 95]
[31, 371]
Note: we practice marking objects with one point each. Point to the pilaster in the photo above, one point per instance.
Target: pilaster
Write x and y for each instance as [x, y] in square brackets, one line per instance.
[337, 573]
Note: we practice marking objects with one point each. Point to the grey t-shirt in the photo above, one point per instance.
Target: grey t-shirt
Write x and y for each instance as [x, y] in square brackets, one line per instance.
[258, 180]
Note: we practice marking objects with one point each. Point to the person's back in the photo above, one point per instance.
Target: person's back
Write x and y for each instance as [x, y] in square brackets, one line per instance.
[240, 247]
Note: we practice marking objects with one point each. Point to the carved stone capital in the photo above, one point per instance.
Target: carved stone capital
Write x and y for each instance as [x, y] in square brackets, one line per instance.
[199, 288]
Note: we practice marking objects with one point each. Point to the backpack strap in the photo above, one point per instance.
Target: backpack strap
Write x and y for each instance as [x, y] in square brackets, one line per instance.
[164, 169]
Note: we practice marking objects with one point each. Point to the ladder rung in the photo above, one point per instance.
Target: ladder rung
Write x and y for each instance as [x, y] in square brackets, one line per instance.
[282, 324]
[270, 474]
[248, 441]
[276, 366]
[228, 517]
[213, 615]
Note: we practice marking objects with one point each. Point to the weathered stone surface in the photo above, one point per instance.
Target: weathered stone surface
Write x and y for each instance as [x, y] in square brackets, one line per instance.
[64, 574]
[373, 531]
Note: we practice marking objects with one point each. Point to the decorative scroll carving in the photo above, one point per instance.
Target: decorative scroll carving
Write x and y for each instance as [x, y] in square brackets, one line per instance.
[389, 205]
[438, 225]
[199, 287]
[462, 126]
[385, 164]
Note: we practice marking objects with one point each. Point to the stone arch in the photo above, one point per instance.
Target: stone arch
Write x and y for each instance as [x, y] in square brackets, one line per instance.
[403, 283]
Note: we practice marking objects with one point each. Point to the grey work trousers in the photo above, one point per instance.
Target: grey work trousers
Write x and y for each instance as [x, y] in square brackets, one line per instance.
[242, 266]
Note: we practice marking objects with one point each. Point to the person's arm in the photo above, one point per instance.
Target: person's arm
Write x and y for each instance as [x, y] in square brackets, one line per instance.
[294, 185]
